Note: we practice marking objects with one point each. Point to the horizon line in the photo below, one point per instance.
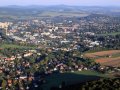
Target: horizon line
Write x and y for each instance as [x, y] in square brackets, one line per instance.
[62, 5]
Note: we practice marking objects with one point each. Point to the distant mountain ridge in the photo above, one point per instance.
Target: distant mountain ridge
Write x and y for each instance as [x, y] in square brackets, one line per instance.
[39, 10]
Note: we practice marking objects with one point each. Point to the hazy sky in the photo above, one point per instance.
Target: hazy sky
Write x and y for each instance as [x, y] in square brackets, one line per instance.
[66, 2]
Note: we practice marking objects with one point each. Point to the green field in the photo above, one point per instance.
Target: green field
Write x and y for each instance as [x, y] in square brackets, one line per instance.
[71, 78]
[106, 34]
[97, 50]
[67, 14]
[3, 46]
[115, 55]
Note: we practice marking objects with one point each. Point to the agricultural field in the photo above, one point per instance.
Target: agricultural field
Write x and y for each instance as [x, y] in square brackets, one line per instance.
[106, 58]
[109, 61]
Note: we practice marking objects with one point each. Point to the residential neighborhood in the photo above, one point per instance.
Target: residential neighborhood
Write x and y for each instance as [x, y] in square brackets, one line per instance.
[54, 49]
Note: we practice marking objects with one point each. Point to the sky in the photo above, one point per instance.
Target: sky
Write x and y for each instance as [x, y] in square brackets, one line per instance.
[59, 2]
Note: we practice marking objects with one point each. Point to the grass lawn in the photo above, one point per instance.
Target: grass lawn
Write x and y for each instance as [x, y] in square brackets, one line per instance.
[70, 78]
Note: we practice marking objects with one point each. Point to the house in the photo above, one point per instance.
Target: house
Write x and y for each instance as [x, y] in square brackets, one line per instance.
[27, 54]
[96, 43]
[23, 77]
